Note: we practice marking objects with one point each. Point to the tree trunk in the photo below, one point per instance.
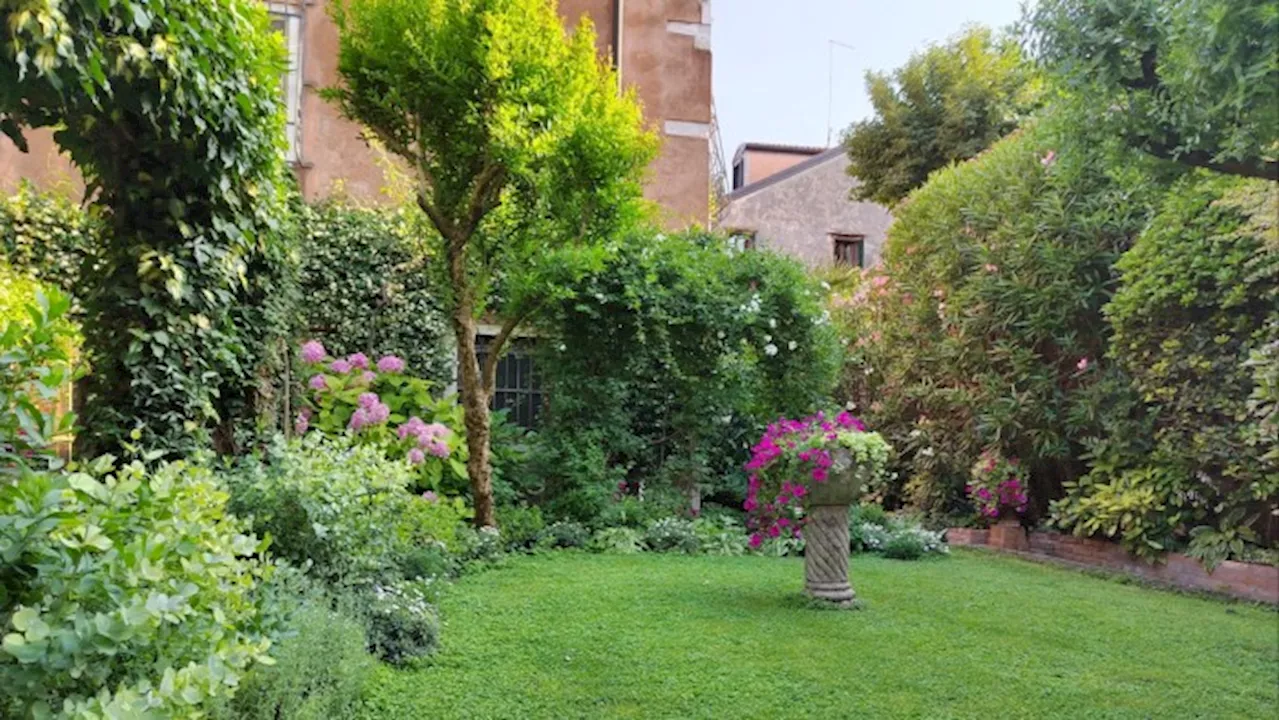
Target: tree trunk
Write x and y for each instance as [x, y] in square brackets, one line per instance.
[475, 413]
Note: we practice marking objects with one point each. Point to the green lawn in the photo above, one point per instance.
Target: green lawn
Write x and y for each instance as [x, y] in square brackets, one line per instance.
[974, 635]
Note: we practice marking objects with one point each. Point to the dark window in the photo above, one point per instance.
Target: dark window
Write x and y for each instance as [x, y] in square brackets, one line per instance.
[848, 249]
[516, 388]
[742, 240]
[738, 175]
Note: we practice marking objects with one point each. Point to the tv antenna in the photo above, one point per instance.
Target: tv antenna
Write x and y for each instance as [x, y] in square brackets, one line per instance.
[831, 70]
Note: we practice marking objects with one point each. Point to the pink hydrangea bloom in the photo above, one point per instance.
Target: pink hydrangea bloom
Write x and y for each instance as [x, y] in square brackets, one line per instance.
[390, 364]
[340, 366]
[359, 360]
[368, 400]
[359, 419]
[415, 456]
[313, 351]
[317, 382]
[430, 496]
[437, 448]
[302, 422]
[368, 376]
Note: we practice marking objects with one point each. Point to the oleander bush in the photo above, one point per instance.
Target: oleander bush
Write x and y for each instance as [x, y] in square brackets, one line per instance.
[125, 592]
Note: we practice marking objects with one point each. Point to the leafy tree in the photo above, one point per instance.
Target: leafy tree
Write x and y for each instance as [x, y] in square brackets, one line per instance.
[945, 105]
[1193, 81]
[170, 110]
[523, 152]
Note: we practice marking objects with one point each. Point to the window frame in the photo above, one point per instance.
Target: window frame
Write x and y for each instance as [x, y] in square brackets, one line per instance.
[839, 240]
[290, 25]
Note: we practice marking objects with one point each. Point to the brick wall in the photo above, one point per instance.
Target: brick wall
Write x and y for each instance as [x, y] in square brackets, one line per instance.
[1242, 580]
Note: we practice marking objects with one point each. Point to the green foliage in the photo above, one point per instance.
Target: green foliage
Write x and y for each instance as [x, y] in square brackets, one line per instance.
[480, 546]
[378, 404]
[945, 105]
[1197, 300]
[524, 154]
[320, 670]
[429, 517]
[1193, 81]
[34, 369]
[521, 525]
[671, 535]
[124, 593]
[984, 327]
[564, 534]
[403, 625]
[367, 278]
[337, 508]
[721, 535]
[620, 540]
[46, 236]
[899, 538]
[170, 110]
[663, 364]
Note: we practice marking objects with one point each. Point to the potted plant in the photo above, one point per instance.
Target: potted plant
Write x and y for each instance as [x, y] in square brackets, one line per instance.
[804, 475]
[998, 489]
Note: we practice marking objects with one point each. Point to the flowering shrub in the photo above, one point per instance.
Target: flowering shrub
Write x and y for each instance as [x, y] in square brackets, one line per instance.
[998, 485]
[672, 535]
[377, 403]
[402, 623]
[792, 456]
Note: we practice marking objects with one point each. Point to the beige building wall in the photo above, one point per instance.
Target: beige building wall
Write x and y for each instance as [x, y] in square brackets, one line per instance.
[797, 212]
[666, 56]
[760, 164]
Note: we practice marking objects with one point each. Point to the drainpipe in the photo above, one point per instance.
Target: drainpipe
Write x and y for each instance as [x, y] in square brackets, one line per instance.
[617, 40]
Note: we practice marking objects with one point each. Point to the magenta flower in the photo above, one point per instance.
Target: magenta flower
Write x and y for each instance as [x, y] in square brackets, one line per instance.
[437, 448]
[317, 382]
[430, 496]
[359, 419]
[820, 475]
[359, 360]
[302, 422]
[390, 364]
[416, 457]
[749, 505]
[313, 351]
[368, 376]
[755, 540]
[340, 366]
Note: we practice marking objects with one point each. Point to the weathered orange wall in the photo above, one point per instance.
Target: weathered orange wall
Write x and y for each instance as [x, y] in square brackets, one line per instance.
[672, 77]
[760, 164]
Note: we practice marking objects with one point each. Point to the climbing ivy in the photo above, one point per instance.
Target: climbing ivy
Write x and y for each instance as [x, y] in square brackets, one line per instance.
[169, 109]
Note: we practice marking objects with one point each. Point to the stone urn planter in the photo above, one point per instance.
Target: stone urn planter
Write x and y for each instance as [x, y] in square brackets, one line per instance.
[826, 534]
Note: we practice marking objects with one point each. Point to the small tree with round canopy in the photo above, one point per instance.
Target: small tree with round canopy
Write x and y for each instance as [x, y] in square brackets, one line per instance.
[524, 154]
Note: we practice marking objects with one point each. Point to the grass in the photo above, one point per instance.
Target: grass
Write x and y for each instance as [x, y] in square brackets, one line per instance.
[972, 636]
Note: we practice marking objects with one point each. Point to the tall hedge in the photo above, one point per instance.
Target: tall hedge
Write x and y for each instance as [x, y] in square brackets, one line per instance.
[984, 326]
[1195, 309]
[170, 110]
[368, 285]
[661, 367]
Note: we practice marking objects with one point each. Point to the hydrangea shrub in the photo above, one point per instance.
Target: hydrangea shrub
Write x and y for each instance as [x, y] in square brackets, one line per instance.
[998, 485]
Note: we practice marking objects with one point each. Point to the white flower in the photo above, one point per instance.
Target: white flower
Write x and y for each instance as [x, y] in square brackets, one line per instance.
[927, 452]
[868, 371]
[773, 323]
[770, 349]
[792, 345]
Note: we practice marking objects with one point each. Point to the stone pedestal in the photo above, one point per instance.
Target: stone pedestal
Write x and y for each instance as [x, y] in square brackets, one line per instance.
[826, 554]
[1007, 534]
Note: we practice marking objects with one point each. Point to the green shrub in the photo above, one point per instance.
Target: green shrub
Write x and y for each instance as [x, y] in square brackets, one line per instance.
[1197, 301]
[984, 325]
[564, 534]
[671, 535]
[320, 669]
[428, 518]
[521, 525]
[617, 540]
[402, 623]
[366, 278]
[125, 593]
[903, 546]
[481, 546]
[663, 363]
[46, 236]
[721, 535]
[429, 561]
[34, 369]
[331, 506]
[868, 513]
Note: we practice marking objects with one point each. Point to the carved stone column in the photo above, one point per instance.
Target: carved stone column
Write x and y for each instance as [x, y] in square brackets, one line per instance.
[826, 554]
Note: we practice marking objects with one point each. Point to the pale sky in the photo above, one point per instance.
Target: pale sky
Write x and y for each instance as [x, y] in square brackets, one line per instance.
[769, 59]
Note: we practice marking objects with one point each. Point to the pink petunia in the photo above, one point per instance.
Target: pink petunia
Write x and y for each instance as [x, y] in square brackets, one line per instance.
[755, 540]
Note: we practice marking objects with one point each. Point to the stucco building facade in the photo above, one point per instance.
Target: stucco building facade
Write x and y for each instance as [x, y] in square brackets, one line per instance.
[797, 201]
[661, 47]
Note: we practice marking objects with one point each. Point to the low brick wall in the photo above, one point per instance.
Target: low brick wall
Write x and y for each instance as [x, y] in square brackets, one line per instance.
[1247, 581]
